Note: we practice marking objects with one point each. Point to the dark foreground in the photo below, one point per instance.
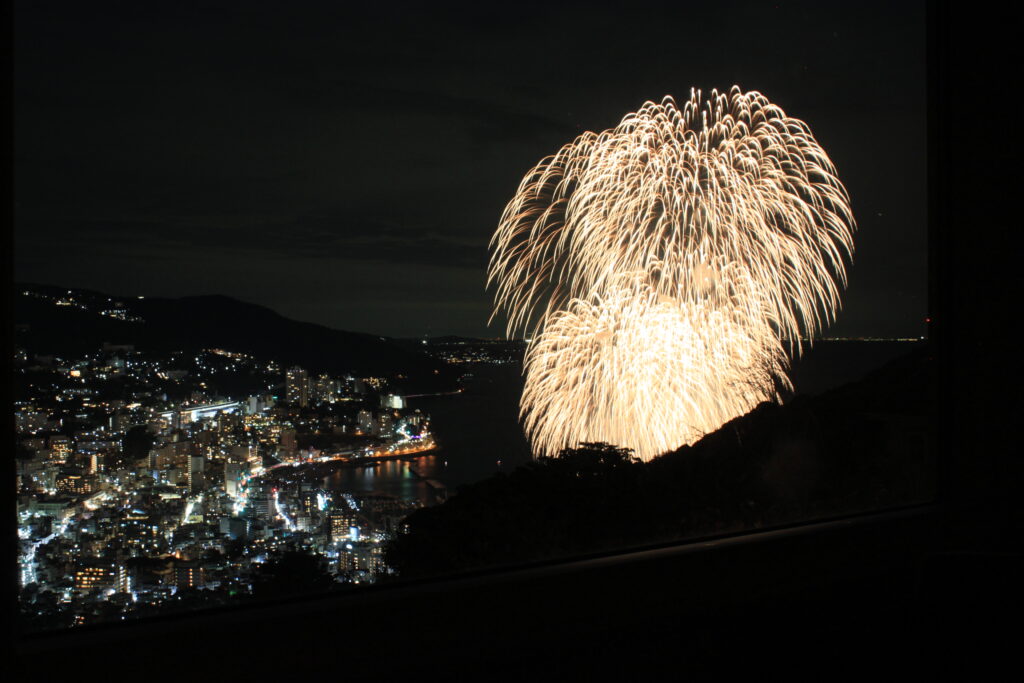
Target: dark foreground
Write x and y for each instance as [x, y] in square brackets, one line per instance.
[864, 447]
[922, 587]
[870, 595]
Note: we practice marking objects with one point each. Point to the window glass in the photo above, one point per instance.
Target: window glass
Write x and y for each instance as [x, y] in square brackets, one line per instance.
[253, 356]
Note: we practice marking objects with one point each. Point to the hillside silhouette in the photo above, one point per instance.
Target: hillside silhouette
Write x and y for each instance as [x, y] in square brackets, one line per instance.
[863, 446]
[198, 322]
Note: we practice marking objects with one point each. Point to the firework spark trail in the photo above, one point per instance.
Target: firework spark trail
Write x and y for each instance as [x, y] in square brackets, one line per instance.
[660, 266]
[639, 365]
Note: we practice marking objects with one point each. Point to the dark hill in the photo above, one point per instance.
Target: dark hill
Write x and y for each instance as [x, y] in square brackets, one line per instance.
[865, 446]
[197, 322]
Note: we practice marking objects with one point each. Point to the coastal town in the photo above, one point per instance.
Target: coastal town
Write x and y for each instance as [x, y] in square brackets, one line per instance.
[149, 480]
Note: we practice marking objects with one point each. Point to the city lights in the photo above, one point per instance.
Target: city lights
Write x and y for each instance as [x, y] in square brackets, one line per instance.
[140, 525]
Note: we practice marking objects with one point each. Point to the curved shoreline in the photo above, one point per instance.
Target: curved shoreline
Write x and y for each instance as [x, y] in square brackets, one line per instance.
[352, 463]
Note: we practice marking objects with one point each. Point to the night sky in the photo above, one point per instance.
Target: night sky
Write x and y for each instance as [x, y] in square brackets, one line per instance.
[347, 163]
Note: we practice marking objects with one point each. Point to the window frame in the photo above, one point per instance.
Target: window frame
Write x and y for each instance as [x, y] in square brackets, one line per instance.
[932, 517]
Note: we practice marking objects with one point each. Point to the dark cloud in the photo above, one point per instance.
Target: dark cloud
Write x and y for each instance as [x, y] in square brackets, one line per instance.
[361, 155]
[303, 237]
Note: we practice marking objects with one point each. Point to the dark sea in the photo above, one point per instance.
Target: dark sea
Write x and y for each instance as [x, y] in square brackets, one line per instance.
[479, 434]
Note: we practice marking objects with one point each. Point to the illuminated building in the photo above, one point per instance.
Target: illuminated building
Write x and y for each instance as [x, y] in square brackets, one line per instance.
[233, 472]
[31, 421]
[47, 475]
[342, 521]
[346, 559]
[365, 558]
[74, 482]
[188, 574]
[125, 579]
[297, 385]
[257, 404]
[309, 502]
[173, 454]
[196, 479]
[392, 401]
[95, 576]
[97, 463]
[376, 559]
[179, 418]
[57, 508]
[365, 421]
[228, 421]
[261, 499]
[383, 424]
[325, 389]
[60, 448]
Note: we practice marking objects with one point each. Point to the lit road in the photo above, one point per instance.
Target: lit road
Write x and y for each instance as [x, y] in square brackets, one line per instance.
[28, 559]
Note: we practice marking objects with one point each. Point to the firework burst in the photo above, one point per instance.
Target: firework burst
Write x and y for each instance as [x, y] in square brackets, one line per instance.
[662, 267]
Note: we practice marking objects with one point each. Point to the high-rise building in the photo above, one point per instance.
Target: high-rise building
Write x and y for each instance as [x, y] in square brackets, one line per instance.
[125, 578]
[97, 463]
[188, 574]
[376, 559]
[365, 421]
[260, 499]
[233, 472]
[196, 466]
[325, 389]
[384, 424]
[360, 558]
[342, 521]
[297, 385]
[309, 502]
[346, 558]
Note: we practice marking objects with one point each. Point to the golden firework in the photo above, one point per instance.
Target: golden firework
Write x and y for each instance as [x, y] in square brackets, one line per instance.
[662, 266]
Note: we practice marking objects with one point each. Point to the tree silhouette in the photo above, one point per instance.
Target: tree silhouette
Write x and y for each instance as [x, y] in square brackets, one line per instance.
[292, 573]
[136, 443]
